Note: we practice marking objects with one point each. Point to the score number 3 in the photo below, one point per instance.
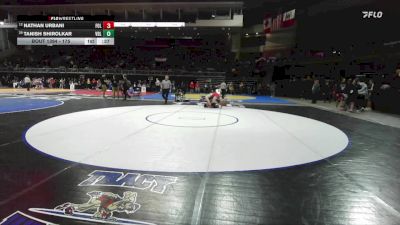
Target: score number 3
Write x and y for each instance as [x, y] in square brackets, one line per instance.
[108, 25]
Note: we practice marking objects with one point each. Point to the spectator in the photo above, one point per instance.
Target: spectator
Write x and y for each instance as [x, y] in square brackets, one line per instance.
[94, 83]
[191, 87]
[315, 90]
[351, 94]
[125, 86]
[27, 82]
[115, 87]
[326, 91]
[158, 83]
[272, 88]
[165, 87]
[371, 86]
[103, 83]
[362, 95]
[241, 87]
[62, 83]
[88, 83]
[197, 87]
[396, 81]
[231, 88]
[340, 94]
[206, 87]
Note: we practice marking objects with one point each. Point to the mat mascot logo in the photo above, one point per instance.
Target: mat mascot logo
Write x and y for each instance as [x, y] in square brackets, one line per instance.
[99, 208]
[104, 203]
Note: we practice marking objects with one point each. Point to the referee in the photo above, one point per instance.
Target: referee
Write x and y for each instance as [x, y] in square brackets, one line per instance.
[223, 88]
[165, 87]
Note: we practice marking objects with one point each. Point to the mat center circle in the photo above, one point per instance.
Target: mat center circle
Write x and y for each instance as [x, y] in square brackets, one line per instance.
[192, 119]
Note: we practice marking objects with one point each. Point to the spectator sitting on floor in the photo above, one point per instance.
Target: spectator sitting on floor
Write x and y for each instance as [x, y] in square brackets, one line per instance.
[179, 95]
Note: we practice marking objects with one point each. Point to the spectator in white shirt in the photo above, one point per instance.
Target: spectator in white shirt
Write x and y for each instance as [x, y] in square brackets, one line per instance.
[165, 88]
[27, 82]
[362, 94]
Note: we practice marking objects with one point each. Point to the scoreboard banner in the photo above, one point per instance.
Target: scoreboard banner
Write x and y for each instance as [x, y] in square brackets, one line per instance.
[65, 41]
[59, 25]
[66, 33]
[65, 30]
[65, 18]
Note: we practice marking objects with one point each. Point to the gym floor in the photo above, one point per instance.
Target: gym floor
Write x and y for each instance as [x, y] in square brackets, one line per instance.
[56, 166]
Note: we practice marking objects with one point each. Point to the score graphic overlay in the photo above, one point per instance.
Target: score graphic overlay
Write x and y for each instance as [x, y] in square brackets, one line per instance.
[65, 30]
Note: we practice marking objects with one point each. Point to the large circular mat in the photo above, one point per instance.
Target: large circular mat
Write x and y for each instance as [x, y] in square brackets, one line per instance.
[179, 138]
[11, 105]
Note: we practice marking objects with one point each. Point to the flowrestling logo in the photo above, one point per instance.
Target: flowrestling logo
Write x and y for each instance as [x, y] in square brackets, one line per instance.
[372, 14]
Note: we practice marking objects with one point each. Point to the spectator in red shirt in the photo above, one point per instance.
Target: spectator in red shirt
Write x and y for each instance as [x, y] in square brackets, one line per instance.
[94, 83]
[191, 86]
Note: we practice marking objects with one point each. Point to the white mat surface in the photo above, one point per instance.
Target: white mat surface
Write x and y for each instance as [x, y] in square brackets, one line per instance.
[178, 138]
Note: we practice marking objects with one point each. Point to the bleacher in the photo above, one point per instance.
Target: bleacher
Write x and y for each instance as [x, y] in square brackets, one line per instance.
[131, 72]
[215, 82]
